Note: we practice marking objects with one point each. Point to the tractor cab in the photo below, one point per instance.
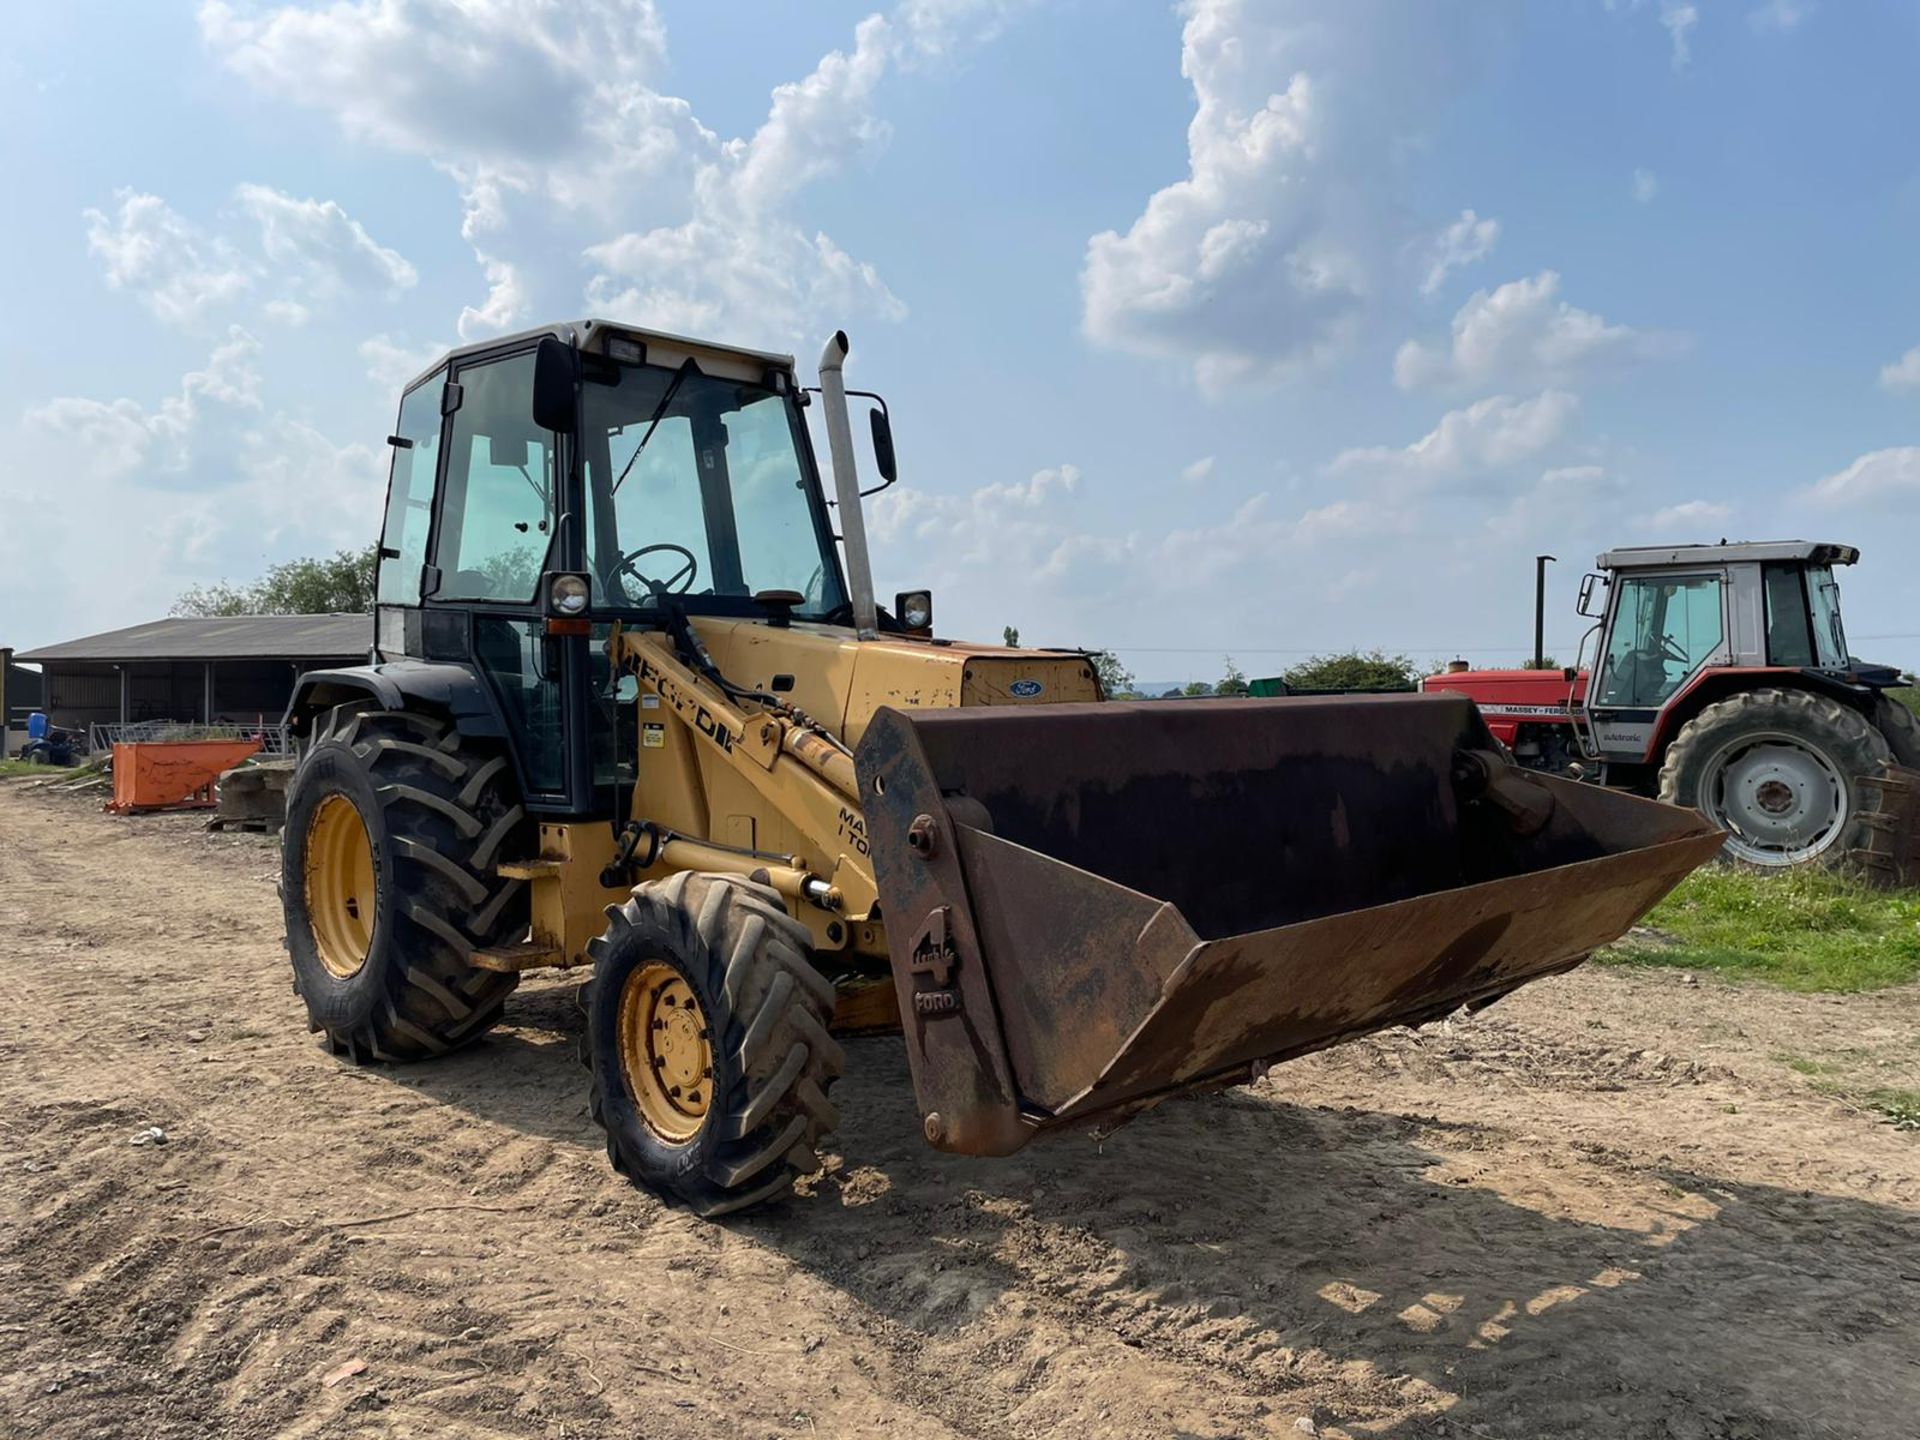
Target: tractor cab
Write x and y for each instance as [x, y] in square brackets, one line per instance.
[550, 486]
[1681, 626]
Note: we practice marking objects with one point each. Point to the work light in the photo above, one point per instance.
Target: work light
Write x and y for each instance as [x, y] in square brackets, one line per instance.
[568, 595]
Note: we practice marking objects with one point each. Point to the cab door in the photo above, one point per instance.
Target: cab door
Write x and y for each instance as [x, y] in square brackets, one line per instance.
[494, 537]
[1662, 630]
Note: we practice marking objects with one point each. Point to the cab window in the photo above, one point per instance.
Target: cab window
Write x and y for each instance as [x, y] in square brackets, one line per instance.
[1789, 640]
[496, 515]
[1664, 629]
[403, 544]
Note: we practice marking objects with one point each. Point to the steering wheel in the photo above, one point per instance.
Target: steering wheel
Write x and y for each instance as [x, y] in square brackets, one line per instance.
[678, 583]
[1673, 652]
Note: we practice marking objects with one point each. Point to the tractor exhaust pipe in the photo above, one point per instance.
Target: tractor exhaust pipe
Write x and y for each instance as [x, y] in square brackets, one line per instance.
[1540, 563]
[846, 487]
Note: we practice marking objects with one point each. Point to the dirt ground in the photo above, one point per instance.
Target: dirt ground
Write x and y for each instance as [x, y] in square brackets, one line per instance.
[1605, 1207]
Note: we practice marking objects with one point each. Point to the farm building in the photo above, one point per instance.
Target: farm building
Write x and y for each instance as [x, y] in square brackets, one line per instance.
[227, 670]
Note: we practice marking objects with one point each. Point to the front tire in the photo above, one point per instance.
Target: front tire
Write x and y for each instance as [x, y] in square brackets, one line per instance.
[707, 1038]
[394, 824]
[1779, 771]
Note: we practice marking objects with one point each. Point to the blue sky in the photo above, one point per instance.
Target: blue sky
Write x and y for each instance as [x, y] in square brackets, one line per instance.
[1260, 328]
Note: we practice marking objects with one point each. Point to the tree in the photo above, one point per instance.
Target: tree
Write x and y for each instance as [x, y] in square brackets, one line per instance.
[1115, 679]
[1354, 670]
[1196, 689]
[1011, 635]
[342, 584]
[1547, 662]
[1234, 682]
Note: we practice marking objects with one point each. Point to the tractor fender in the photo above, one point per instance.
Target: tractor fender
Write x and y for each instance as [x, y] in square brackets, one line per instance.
[454, 691]
[1714, 684]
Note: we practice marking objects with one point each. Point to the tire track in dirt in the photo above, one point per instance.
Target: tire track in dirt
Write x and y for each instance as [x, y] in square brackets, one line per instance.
[1540, 1223]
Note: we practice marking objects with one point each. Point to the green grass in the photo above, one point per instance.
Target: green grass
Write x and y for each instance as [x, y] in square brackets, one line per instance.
[1802, 930]
[1907, 695]
[16, 769]
[1902, 1107]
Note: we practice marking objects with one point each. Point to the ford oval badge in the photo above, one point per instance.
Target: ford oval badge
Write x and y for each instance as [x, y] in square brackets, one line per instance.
[1025, 689]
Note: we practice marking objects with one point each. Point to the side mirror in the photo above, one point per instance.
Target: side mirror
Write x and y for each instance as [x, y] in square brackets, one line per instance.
[883, 446]
[1591, 605]
[556, 385]
[508, 452]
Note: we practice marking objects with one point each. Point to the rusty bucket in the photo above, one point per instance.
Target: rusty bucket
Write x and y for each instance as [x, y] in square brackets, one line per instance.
[1091, 907]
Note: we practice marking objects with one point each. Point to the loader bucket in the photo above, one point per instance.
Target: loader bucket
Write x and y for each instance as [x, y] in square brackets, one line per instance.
[1091, 907]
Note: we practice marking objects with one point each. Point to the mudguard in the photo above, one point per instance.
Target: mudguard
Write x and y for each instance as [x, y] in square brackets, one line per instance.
[438, 687]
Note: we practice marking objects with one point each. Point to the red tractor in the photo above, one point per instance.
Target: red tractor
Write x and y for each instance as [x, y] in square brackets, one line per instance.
[1721, 681]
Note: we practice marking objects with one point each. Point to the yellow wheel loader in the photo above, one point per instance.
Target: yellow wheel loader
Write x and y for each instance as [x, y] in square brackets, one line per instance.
[634, 707]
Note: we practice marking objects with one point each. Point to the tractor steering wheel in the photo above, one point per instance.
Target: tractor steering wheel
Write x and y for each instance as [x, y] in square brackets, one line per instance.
[678, 583]
[1673, 652]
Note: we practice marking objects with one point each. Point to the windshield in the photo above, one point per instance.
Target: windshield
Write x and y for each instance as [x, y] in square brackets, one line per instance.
[698, 486]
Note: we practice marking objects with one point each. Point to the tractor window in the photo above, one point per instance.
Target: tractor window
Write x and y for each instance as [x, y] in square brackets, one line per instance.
[513, 653]
[1664, 629]
[696, 485]
[1789, 640]
[410, 495]
[497, 512]
[1829, 639]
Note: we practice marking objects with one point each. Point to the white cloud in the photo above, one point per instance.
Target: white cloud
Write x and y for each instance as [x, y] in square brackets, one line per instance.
[1680, 20]
[1561, 495]
[1779, 15]
[177, 271]
[1904, 373]
[1522, 332]
[522, 102]
[108, 439]
[508, 83]
[1465, 241]
[311, 251]
[1688, 515]
[1469, 444]
[1197, 471]
[1646, 185]
[320, 247]
[1888, 478]
[392, 363]
[1231, 268]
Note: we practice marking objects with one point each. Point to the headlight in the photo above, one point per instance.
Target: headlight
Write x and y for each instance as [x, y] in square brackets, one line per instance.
[568, 596]
[915, 609]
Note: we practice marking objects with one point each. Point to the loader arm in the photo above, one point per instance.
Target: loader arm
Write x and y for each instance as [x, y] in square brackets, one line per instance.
[797, 770]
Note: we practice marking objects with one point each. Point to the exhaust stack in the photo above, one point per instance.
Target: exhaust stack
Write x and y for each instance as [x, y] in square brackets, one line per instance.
[846, 487]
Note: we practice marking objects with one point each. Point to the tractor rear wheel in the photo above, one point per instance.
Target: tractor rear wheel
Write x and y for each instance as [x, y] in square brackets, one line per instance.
[1901, 727]
[1779, 771]
[394, 824]
[707, 1038]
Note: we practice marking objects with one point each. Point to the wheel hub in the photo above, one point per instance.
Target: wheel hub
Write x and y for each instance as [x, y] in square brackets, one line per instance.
[666, 1052]
[1781, 801]
[342, 893]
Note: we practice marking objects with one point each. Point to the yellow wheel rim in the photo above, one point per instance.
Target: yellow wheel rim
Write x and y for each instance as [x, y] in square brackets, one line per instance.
[340, 886]
[666, 1052]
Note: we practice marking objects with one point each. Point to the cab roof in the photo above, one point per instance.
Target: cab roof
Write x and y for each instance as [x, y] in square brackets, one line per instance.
[1813, 552]
[590, 335]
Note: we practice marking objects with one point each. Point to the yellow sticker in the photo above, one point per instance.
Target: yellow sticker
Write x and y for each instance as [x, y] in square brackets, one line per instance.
[653, 737]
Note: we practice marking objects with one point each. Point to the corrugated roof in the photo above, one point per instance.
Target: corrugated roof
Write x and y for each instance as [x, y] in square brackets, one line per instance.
[232, 637]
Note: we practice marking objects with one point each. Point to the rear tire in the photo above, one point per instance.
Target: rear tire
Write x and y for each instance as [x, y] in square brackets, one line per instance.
[1901, 728]
[707, 1038]
[1779, 771]
[394, 824]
